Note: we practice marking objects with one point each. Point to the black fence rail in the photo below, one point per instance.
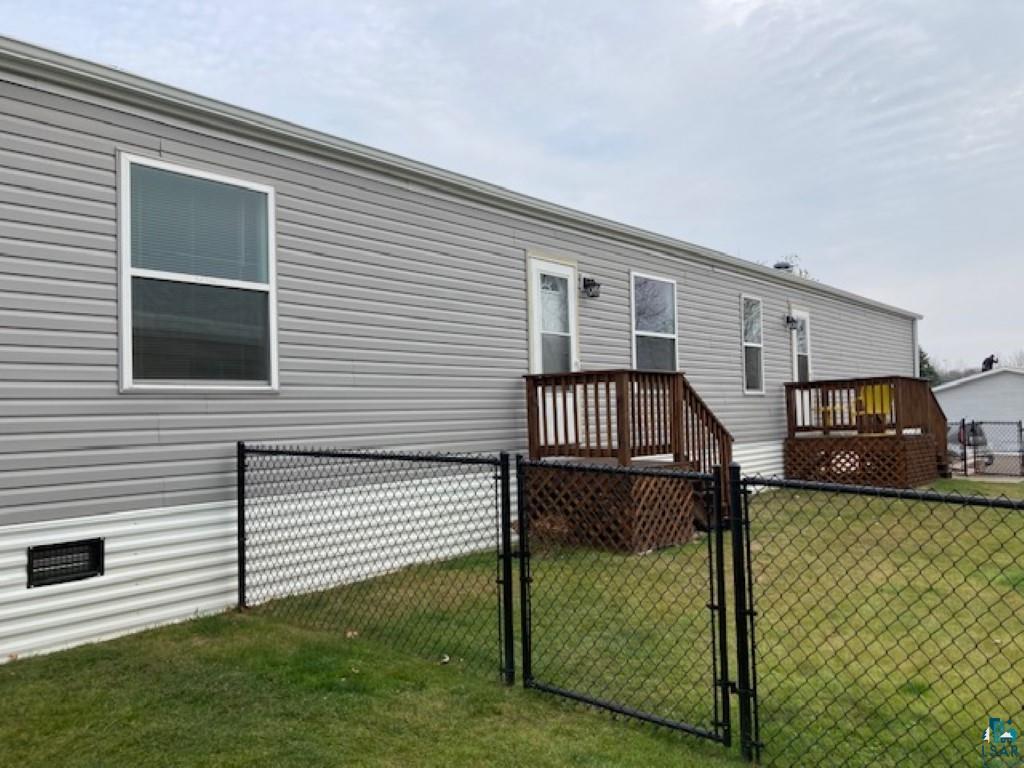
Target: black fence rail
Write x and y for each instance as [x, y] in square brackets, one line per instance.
[412, 549]
[889, 625]
[623, 580]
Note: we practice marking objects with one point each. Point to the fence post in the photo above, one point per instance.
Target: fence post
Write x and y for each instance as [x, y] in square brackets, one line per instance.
[717, 522]
[743, 687]
[1020, 446]
[509, 671]
[963, 442]
[971, 438]
[240, 470]
[522, 518]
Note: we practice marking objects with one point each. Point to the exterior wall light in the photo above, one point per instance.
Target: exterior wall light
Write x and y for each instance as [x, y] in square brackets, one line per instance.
[590, 288]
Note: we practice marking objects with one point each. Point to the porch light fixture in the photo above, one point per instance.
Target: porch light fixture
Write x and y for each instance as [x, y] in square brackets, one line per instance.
[791, 322]
[590, 288]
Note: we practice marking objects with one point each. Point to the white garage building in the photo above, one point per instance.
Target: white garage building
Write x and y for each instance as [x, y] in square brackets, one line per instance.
[996, 395]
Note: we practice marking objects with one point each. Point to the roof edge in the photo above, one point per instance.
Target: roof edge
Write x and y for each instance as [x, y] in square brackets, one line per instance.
[974, 376]
[81, 74]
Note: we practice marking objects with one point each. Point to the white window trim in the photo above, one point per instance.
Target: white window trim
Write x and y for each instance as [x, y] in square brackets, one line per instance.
[126, 272]
[632, 314]
[802, 313]
[744, 298]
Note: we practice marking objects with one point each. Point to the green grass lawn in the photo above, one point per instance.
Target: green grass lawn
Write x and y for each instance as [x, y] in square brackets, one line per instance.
[251, 690]
[971, 487]
[887, 632]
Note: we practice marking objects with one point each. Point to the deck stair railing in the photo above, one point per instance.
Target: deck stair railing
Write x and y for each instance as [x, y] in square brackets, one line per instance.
[624, 415]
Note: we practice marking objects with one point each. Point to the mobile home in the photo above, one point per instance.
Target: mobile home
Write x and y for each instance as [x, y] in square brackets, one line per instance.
[178, 274]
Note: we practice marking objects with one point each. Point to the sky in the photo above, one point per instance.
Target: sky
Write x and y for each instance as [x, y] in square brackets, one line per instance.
[880, 142]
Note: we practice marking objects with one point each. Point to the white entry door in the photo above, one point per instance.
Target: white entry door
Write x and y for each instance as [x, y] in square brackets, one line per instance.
[554, 347]
[553, 343]
[801, 345]
[800, 339]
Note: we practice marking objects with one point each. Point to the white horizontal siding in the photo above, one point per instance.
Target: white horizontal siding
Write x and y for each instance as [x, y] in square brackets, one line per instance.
[301, 543]
[161, 565]
[765, 459]
[402, 317]
[174, 563]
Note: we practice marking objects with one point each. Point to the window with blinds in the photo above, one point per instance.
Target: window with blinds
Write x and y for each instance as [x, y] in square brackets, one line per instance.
[198, 279]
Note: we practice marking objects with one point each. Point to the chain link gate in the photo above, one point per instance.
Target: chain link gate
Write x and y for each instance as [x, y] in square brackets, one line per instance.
[623, 592]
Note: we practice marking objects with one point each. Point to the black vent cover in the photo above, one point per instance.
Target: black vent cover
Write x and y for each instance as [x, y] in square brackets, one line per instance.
[69, 561]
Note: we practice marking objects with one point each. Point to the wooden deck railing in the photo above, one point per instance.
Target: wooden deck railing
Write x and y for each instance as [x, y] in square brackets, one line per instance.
[623, 415]
[878, 405]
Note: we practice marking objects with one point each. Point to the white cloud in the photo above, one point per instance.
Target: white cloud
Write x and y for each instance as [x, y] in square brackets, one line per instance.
[878, 140]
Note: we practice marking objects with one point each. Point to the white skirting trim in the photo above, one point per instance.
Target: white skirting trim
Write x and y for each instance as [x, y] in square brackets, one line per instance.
[161, 566]
[176, 563]
[759, 458]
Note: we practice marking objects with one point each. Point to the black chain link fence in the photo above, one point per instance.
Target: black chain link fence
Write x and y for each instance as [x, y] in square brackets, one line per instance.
[994, 448]
[863, 626]
[401, 548]
[622, 592]
[889, 625]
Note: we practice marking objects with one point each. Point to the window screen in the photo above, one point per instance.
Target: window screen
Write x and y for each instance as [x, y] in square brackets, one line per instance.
[195, 226]
[654, 323]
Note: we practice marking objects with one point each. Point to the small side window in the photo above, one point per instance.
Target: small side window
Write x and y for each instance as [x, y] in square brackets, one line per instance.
[753, 345]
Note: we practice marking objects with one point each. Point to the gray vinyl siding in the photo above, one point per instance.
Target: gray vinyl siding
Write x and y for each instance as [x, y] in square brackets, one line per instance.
[402, 317]
[992, 397]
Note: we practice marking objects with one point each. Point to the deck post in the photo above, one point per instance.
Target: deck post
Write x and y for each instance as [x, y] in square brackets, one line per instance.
[790, 410]
[898, 404]
[622, 406]
[532, 419]
[676, 427]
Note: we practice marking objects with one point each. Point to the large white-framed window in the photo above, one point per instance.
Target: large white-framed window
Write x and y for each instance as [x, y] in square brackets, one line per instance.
[655, 326]
[801, 344]
[752, 312]
[198, 289]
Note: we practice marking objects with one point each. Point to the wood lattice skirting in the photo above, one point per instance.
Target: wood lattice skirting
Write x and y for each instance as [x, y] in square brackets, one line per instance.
[888, 461]
[609, 510]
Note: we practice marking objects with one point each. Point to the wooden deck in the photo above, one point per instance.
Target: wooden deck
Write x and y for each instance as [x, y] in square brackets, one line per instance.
[886, 431]
[622, 418]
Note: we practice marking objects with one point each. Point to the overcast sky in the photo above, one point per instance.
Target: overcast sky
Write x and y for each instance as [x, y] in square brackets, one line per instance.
[882, 142]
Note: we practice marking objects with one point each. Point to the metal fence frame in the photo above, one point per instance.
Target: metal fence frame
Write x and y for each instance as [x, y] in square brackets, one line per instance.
[734, 587]
[501, 464]
[755, 595]
[717, 603]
